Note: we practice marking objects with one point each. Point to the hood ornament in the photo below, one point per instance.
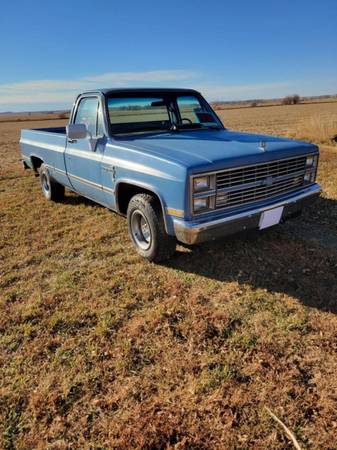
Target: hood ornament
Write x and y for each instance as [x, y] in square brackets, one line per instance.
[263, 146]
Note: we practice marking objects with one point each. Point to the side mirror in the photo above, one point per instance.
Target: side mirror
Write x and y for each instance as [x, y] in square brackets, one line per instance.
[77, 131]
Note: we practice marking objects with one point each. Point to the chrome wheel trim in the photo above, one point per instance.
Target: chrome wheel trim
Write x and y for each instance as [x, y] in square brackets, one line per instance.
[45, 184]
[140, 230]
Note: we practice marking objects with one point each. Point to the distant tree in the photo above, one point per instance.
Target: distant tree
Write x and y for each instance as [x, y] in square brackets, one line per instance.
[296, 99]
[253, 104]
[291, 100]
[63, 115]
[287, 100]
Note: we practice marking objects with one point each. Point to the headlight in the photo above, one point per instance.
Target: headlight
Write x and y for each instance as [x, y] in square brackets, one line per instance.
[310, 174]
[199, 204]
[310, 161]
[200, 184]
[309, 177]
[203, 189]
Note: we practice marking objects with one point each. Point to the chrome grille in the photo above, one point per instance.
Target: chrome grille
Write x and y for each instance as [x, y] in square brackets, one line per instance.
[253, 183]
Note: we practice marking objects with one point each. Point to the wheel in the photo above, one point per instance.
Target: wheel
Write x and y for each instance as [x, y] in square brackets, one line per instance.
[50, 188]
[147, 229]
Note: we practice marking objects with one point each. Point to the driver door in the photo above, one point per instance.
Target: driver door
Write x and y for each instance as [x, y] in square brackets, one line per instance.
[84, 165]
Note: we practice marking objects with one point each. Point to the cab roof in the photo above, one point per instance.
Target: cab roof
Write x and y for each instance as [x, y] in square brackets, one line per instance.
[108, 91]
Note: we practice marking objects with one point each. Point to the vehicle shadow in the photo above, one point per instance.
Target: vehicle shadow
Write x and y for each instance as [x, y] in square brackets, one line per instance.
[283, 259]
[72, 198]
[297, 258]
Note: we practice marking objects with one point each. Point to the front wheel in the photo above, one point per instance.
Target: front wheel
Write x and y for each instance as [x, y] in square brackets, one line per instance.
[147, 229]
[50, 188]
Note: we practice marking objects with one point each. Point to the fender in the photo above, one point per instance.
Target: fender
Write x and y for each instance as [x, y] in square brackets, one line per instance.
[168, 222]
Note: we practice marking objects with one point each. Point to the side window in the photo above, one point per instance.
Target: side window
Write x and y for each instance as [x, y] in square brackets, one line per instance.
[87, 113]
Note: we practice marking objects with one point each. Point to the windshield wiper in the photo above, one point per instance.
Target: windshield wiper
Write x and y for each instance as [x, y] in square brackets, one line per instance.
[211, 127]
[193, 126]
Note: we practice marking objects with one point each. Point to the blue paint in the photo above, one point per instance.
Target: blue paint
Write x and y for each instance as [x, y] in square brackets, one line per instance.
[161, 162]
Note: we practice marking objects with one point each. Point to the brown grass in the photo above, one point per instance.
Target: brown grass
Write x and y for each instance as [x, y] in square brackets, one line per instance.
[318, 128]
[99, 349]
[315, 122]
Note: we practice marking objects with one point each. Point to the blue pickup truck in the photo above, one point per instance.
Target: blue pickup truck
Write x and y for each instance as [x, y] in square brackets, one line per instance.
[163, 159]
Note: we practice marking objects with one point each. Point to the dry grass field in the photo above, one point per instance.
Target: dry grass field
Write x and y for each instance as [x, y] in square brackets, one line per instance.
[316, 122]
[100, 349]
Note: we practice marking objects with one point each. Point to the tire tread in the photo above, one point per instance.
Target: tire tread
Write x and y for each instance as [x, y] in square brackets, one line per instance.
[165, 244]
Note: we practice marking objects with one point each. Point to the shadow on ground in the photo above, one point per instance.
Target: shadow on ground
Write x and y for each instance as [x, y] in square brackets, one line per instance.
[298, 258]
[76, 199]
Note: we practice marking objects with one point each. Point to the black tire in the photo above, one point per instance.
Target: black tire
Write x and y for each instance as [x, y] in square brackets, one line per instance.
[147, 229]
[50, 188]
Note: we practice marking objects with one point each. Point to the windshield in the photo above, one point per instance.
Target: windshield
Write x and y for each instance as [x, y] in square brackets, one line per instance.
[130, 114]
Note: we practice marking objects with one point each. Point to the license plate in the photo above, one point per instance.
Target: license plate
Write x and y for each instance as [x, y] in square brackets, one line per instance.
[270, 217]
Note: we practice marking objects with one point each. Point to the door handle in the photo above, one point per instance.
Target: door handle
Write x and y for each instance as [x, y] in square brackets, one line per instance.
[108, 168]
[72, 141]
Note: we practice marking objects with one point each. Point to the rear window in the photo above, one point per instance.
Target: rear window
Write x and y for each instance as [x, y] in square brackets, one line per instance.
[138, 114]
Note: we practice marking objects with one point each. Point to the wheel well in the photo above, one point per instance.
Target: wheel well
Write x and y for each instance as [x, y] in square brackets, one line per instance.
[36, 162]
[126, 191]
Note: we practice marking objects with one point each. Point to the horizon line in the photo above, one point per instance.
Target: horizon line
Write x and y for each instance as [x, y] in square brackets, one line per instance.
[248, 100]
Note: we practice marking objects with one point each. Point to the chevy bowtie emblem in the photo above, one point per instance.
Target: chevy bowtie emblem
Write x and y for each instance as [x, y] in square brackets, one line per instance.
[263, 145]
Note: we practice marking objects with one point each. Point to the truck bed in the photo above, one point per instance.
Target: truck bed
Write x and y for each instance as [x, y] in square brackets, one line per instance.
[47, 145]
[57, 130]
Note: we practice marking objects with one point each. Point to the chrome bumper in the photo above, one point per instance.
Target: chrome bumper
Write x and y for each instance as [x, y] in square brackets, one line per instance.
[194, 232]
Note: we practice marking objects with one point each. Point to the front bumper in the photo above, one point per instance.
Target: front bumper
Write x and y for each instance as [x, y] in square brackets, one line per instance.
[193, 232]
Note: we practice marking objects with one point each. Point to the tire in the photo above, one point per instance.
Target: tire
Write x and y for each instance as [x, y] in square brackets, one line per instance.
[52, 190]
[147, 229]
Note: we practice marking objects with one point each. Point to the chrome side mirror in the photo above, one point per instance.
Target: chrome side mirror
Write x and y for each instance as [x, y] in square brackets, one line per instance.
[80, 131]
[77, 131]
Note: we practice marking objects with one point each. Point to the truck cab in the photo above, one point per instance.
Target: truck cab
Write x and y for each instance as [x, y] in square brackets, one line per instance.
[163, 159]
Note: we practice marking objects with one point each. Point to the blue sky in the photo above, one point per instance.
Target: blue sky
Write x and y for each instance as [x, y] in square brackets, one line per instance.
[230, 50]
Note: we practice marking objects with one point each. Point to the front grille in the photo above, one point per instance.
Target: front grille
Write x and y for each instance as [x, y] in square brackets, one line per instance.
[253, 183]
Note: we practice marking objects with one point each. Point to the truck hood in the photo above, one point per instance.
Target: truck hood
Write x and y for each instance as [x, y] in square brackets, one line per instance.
[199, 149]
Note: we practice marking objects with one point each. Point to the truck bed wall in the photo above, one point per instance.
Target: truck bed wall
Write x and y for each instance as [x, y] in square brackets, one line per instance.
[47, 144]
[57, 130]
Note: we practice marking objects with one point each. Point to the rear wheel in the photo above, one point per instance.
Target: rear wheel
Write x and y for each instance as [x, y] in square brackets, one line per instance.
[50, 188]
[147, 229]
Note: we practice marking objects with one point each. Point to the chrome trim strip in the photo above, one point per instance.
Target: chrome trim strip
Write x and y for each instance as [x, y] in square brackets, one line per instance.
[261, 182]
[85, 181]
[213, 193]
[82, 180]
[106, 189]
[63, 172]
[254, 165]
[198, 227]
[91, 183]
